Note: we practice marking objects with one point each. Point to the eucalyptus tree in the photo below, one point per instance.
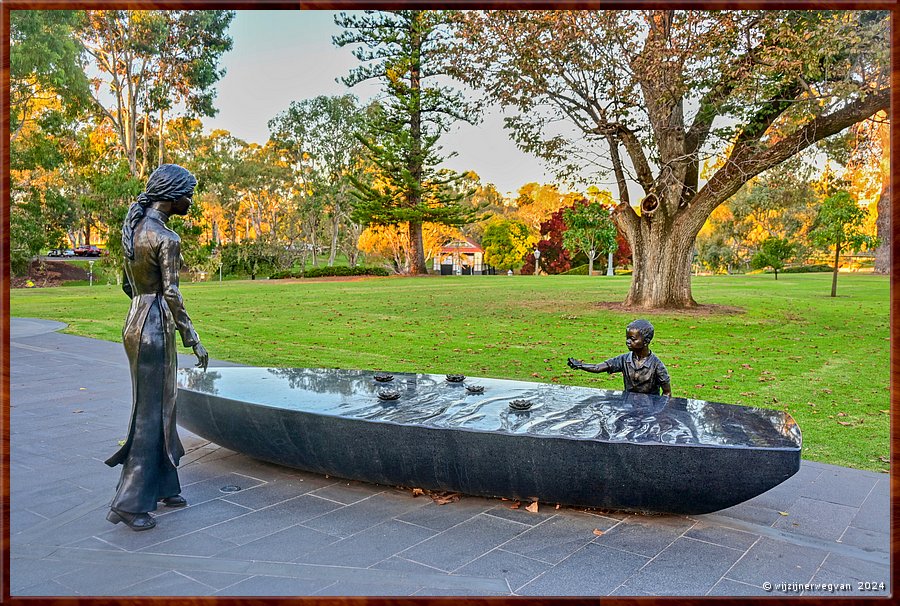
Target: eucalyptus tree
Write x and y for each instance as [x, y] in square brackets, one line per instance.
[656, 96]
[406, 50]
[319, 137]
[147, 59]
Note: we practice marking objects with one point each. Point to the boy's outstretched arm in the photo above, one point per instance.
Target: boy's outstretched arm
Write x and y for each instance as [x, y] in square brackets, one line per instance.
[666, 389]
[579, 365]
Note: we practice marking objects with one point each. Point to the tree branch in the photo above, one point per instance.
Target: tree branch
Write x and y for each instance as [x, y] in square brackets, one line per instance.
[740, 169]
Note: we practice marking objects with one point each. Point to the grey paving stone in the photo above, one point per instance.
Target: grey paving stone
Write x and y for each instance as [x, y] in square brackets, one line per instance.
[727, 587]
[874, 513]
[859, 570]
[516, 569]
[168, 583]
[273, 492]
[558, 537]
[25, 573]
[785, 494]
[283, 546]
[777, 562]
[645, 535]
[370, 546]
[403, 565]
[206, 490]
[197, 543]
[841, 486]
[262, 522]
[624, 590]
[437, 592]
[349, 588]
[175, 524]
[746, 512]
[667, 574]
[363, 514]
[21, 520]
[274, 586]
[67, 499]
[868, 540]
[348, 491]
[817, 518]
[441, 517]
[106, 581]
[215, 580]
[519, 514]
[592, 571]
[46, 589]
[721, 535]
[454, 548]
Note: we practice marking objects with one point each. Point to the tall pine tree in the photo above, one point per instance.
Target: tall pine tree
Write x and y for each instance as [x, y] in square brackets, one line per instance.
[406, 51]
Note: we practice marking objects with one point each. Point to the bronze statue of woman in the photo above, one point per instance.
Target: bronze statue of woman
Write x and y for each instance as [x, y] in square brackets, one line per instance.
[151, 451]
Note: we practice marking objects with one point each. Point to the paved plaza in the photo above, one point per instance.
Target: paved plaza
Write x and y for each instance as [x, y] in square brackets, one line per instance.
[257, 529]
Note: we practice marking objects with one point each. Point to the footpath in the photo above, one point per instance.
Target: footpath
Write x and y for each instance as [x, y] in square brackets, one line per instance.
[256, 529]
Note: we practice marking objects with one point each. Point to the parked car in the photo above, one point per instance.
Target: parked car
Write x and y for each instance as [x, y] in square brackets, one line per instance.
[61, 252]
[88, 251]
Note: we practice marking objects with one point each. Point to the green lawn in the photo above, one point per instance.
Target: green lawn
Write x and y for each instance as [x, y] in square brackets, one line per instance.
[824, 360]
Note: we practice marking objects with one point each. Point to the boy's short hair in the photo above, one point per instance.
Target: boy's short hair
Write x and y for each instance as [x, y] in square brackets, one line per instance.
[645, 328]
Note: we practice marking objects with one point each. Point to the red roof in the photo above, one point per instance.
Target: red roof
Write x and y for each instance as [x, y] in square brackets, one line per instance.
[464, 245]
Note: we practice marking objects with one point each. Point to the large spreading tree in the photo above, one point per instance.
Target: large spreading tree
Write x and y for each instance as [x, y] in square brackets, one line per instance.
[406, 51]
[657, 96]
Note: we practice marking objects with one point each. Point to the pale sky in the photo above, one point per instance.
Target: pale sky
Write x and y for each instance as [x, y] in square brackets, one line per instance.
[287, 55]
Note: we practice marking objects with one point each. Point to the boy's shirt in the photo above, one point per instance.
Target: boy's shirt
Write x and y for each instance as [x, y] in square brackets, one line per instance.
[646, 378]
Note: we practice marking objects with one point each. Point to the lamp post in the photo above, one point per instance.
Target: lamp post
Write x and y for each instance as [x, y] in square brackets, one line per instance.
[537, 261]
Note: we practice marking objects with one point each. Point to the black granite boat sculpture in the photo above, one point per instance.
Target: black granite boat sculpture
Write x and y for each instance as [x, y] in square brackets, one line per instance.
[573, 445]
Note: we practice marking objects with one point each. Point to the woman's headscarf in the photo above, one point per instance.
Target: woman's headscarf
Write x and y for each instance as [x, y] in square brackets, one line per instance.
[168, 182]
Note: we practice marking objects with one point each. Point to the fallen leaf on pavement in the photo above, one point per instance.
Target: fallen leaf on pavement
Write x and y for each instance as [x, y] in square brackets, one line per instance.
[598, 532]
[442, 498]
[784, 513]
[533, 508]
[417, 492]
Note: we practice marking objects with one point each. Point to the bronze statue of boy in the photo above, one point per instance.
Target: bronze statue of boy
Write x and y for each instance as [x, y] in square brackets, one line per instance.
[641, 370]
[151, 451]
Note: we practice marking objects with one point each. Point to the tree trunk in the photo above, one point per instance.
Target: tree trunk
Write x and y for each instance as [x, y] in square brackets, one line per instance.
[591, 264]
[661, 253]
[416, 249]
[837, 257]
[610, 269]
[335, 227]
[161, 150]
[883, 229]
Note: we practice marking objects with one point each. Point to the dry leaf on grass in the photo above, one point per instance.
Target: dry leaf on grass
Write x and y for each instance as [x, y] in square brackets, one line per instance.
[533, 508]
[845, 423]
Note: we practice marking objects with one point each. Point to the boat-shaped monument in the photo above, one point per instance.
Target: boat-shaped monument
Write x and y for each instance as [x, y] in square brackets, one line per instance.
[571, 445]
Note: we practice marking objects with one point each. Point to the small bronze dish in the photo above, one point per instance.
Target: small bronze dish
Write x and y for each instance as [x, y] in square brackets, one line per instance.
[520, 404]
[383, 377]
[388, 394]
[475, 388]
[456, 378]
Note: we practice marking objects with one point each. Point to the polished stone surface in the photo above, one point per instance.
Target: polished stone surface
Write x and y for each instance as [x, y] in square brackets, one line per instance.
[575, 445]
[558, 410]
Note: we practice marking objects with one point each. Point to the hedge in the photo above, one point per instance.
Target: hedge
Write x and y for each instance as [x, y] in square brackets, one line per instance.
[340, 270]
